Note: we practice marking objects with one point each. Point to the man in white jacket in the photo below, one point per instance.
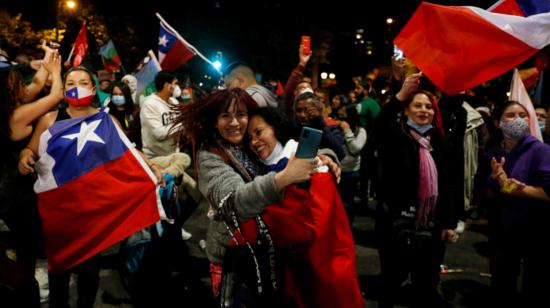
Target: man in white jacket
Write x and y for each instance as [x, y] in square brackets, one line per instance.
[157, 116]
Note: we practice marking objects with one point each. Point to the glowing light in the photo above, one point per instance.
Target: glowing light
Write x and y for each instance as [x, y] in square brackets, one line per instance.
[324, 75]
[70, 4]
[217, 64]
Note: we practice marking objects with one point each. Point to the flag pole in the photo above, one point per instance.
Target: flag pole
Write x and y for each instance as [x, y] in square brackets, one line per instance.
[184, 41]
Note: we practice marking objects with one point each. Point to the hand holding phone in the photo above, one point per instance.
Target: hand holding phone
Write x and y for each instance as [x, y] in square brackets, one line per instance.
[310, 139]
[306, 43]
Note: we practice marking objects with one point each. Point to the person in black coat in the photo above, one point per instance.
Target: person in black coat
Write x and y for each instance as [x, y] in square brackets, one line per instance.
[416, 211]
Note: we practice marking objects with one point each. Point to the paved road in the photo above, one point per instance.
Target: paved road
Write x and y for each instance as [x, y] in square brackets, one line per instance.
[466, 285]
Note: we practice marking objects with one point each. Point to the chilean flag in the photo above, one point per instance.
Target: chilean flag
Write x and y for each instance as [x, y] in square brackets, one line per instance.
[460, 47]
[520, 7]
[93, 189]
[79, 96]
[174, 51]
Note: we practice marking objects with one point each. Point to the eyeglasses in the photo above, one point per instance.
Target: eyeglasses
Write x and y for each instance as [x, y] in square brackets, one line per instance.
[228, 116]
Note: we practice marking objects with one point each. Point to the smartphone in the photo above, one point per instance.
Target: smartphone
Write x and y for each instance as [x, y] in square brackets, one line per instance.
[397, 53]
[306, 42]
[310, 139]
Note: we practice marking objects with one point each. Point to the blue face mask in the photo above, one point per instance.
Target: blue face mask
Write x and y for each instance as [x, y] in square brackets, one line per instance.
[542, 125]
[118, 100]
[515, 129]
[422, 129]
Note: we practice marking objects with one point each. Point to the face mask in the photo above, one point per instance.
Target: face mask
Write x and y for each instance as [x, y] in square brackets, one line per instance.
[118, 100]
[516, 129]
[186, 97]
[176, 92]
[422, 129]
[79, 96]
[542, 125]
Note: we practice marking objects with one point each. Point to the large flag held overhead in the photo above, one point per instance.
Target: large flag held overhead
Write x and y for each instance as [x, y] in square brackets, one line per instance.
[519, 93]
[458, 48]
[109, 56]
[93, 189]
[80, 46]
[174, 51]
[147, 72]
[520, 7]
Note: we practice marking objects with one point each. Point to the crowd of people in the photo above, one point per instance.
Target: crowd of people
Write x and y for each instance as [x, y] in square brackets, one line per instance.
[279, 227]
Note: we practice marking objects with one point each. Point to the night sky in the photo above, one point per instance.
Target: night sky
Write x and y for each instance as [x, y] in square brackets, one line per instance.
[265, 34]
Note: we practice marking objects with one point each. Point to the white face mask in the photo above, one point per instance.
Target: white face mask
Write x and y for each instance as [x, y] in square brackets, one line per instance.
[176, 92]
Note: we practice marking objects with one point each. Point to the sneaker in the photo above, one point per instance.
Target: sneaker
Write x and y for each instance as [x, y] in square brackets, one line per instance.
[185, 235]
[202, 245]
[460, 226]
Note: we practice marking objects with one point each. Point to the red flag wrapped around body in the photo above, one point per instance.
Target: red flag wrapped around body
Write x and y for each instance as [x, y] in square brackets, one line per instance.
[315, 223]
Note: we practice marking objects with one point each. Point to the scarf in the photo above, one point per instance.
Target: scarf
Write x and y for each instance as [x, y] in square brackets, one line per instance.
[427, 184]
[278, 159]
[244, 160]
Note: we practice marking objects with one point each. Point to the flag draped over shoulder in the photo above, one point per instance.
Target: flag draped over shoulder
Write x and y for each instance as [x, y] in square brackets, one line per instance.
[109, 56]
[93, 189]
[519, 93]
[458, 48]
[80, 46]
[174, 51]
[147, 72]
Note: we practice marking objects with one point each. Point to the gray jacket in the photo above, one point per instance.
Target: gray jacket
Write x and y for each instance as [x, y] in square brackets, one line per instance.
[217, 180]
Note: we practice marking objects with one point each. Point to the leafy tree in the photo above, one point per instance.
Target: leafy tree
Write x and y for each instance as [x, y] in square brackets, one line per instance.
[16, 33]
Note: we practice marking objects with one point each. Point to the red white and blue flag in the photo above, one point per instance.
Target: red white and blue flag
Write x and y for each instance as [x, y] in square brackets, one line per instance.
[79, 96]
[460, 47]
[520, 7]
[93, 189]
[174, 51]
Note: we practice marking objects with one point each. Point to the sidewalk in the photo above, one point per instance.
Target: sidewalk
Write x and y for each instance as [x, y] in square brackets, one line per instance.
[466, 284]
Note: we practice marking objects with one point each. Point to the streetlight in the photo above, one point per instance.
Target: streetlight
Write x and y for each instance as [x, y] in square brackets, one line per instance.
[71, 5]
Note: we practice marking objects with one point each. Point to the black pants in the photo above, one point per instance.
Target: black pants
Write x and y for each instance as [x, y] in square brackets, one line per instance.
[510, 249]
[410, 260]
[87, 284]
[348, 188]
[20, 214]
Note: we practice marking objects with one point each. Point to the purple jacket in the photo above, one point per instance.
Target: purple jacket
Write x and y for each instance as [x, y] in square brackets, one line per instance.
[528, 162]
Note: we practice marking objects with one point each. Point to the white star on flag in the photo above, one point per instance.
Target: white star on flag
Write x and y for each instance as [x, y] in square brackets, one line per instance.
[163, 41]
[86, 134]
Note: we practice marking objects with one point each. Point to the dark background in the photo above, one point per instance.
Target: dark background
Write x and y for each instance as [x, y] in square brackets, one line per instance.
[265, 34]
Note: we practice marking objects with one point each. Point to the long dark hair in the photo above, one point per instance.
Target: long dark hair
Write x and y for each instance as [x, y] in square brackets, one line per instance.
[11, 85]
[352, 116]
[199, 119]
[127, 93]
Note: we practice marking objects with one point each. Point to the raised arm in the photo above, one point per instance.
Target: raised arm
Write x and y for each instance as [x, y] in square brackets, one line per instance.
[25, 114]
[41, 75]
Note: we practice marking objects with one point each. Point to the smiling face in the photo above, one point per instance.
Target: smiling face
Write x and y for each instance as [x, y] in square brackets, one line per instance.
[232, 123]
[420, 110]
[262, 137]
